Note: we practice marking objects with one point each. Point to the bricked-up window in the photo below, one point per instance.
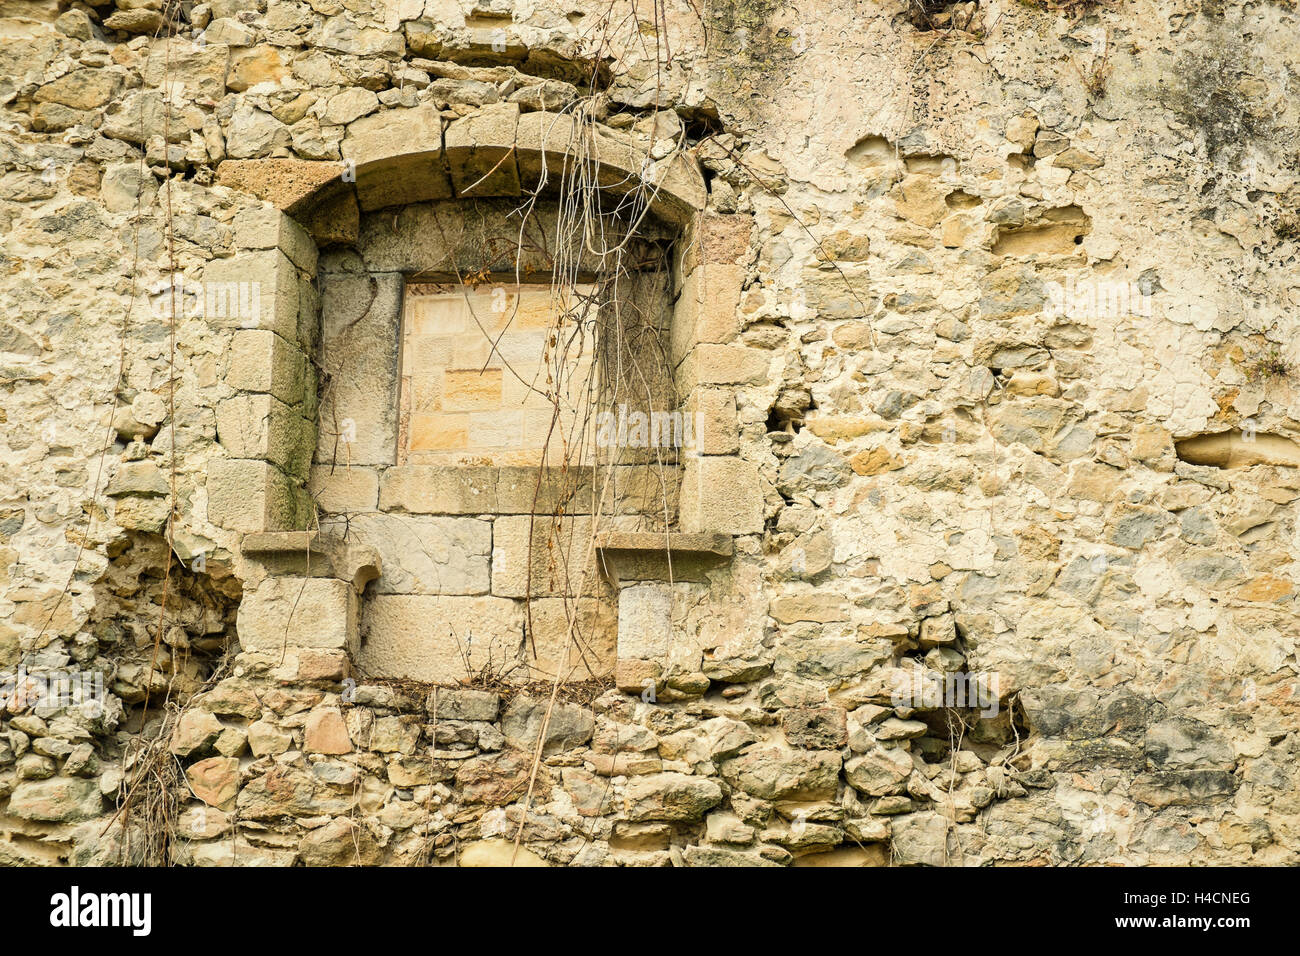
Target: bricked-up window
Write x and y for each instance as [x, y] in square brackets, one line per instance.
[481, 370]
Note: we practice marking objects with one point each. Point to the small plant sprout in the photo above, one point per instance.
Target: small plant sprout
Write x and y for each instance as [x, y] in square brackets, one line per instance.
[1268, 366]
[1287, 227]
[1095, 77]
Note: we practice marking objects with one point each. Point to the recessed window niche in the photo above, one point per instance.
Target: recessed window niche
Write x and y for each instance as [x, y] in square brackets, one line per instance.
[464, 365]
[463, 517]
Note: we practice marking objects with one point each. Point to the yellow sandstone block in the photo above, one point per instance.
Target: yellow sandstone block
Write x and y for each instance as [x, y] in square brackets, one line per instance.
[471, 389]
[436, 432]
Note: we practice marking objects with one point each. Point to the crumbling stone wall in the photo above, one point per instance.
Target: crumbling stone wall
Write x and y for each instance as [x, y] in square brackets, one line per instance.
[990, 553]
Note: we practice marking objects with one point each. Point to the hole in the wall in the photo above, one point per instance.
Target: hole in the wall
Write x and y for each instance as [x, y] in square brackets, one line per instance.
[936, 748]
[960, 199]
[776, 423]
[1019, 718]
[927, 15]
[870, 151]
[789, 411]
[701, 123]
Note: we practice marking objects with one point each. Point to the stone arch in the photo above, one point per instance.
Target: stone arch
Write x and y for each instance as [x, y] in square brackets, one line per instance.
[406, 156]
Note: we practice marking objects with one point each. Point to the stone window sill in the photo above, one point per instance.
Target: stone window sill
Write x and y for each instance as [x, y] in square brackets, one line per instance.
[659, 556]
[312, 553]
